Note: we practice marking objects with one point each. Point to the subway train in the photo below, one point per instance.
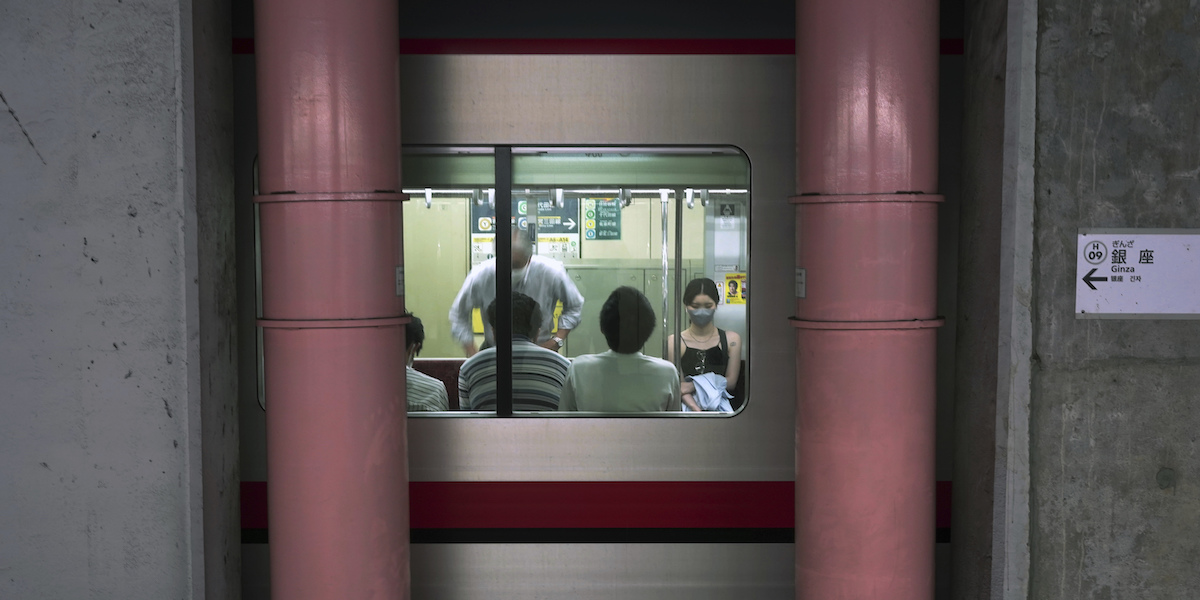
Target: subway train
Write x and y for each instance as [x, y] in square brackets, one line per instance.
[641, 169]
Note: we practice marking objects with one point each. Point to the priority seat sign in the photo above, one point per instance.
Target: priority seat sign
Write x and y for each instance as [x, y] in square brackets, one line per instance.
[1138, 274]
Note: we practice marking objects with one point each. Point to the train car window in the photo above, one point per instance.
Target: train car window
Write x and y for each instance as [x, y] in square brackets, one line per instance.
[628, 271]
[447, 237]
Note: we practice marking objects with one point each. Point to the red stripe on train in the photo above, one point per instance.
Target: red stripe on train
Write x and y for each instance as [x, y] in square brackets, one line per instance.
[566, 504]
[637, 504]
[666, 504]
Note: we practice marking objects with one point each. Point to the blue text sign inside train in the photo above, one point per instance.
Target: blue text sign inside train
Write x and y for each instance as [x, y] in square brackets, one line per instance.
[552, 218]
[601, 219]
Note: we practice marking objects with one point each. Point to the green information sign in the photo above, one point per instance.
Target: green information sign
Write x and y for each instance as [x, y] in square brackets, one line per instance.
[601, 219]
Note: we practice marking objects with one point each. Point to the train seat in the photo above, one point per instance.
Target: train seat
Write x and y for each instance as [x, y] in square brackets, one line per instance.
[445, 369]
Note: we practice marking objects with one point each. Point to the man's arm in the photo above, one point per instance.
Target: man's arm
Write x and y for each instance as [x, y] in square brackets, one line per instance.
[552, 342]
[572, 302]
[469, 297]
[564, 291]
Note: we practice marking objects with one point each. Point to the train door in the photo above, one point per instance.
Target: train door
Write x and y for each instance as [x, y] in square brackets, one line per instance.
[554, 504]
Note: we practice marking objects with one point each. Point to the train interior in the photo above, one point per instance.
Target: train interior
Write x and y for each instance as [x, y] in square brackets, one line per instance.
[650, 218]
[611, 216]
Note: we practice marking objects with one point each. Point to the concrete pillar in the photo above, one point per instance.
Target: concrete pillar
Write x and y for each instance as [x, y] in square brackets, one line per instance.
[118, 428]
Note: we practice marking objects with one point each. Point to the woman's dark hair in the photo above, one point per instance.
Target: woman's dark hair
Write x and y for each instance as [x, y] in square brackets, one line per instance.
[699, 286]
[626, 320]
[526, 315]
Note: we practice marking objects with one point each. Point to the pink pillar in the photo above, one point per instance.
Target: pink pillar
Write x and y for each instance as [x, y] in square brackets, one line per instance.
[866, 229]
[330, 227]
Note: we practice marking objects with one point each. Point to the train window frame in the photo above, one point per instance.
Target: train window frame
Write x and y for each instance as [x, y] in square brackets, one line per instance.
[507, 180]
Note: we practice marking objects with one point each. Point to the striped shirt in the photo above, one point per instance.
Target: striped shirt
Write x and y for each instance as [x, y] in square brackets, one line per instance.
[425, 393]
[537, 378]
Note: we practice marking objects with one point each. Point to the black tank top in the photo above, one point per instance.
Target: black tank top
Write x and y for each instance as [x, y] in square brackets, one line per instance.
[694, 361]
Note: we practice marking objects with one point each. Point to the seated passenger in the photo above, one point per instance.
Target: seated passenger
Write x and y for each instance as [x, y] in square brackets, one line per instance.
[622, 379]
[709, 355]
[424, 393]
[537, 376]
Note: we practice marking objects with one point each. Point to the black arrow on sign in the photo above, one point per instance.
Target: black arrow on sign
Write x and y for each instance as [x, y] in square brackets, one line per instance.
[1088, 279]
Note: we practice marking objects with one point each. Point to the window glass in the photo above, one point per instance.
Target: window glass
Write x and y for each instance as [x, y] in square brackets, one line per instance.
[444, 239]
[607, 244]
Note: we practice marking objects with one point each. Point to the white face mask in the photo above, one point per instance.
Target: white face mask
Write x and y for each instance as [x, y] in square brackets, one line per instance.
[518, 276]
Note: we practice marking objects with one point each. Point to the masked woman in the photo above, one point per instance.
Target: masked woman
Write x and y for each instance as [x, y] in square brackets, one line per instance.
[705, 349]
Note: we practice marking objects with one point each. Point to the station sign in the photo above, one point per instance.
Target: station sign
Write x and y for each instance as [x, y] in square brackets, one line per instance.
[601, 219]
[483, 217]
[1138, 274]
[558, 230]
[553, 218]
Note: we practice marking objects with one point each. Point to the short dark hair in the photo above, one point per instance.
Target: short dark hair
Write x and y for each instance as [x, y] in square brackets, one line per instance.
[699, 286]
[522, 246]
[527, 315]
[414, 332]
[626, 320]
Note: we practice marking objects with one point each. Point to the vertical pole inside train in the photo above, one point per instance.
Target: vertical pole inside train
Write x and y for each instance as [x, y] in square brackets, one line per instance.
[332, 297]
[664, 204]
[866, 258]
[680, 276]
[502, 336]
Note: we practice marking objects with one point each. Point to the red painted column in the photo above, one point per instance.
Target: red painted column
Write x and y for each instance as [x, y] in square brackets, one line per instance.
[866, 229]
[333, 325]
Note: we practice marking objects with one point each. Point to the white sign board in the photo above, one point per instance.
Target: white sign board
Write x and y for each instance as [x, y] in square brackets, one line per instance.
[483, 247]
[560, 246]
[1138, 274]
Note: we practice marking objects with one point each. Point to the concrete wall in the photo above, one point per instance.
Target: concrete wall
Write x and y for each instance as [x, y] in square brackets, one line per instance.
[991, 494]
[1115, 462]
[216, 247]
[117, 438]
[978, 300]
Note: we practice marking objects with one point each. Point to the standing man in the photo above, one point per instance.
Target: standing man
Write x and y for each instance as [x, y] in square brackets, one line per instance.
[543, 279]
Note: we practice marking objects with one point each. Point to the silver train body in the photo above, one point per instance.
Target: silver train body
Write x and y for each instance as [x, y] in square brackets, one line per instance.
[580, 100]
[746, 101]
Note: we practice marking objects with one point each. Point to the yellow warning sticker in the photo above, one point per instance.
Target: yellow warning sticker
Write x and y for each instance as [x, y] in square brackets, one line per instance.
[735, 290]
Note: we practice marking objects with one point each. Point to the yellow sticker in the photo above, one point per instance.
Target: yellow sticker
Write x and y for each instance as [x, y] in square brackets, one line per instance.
[477, 321]
[735, 288]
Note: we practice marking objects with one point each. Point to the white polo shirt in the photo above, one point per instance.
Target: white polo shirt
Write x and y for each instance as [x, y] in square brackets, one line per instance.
[614, 382]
